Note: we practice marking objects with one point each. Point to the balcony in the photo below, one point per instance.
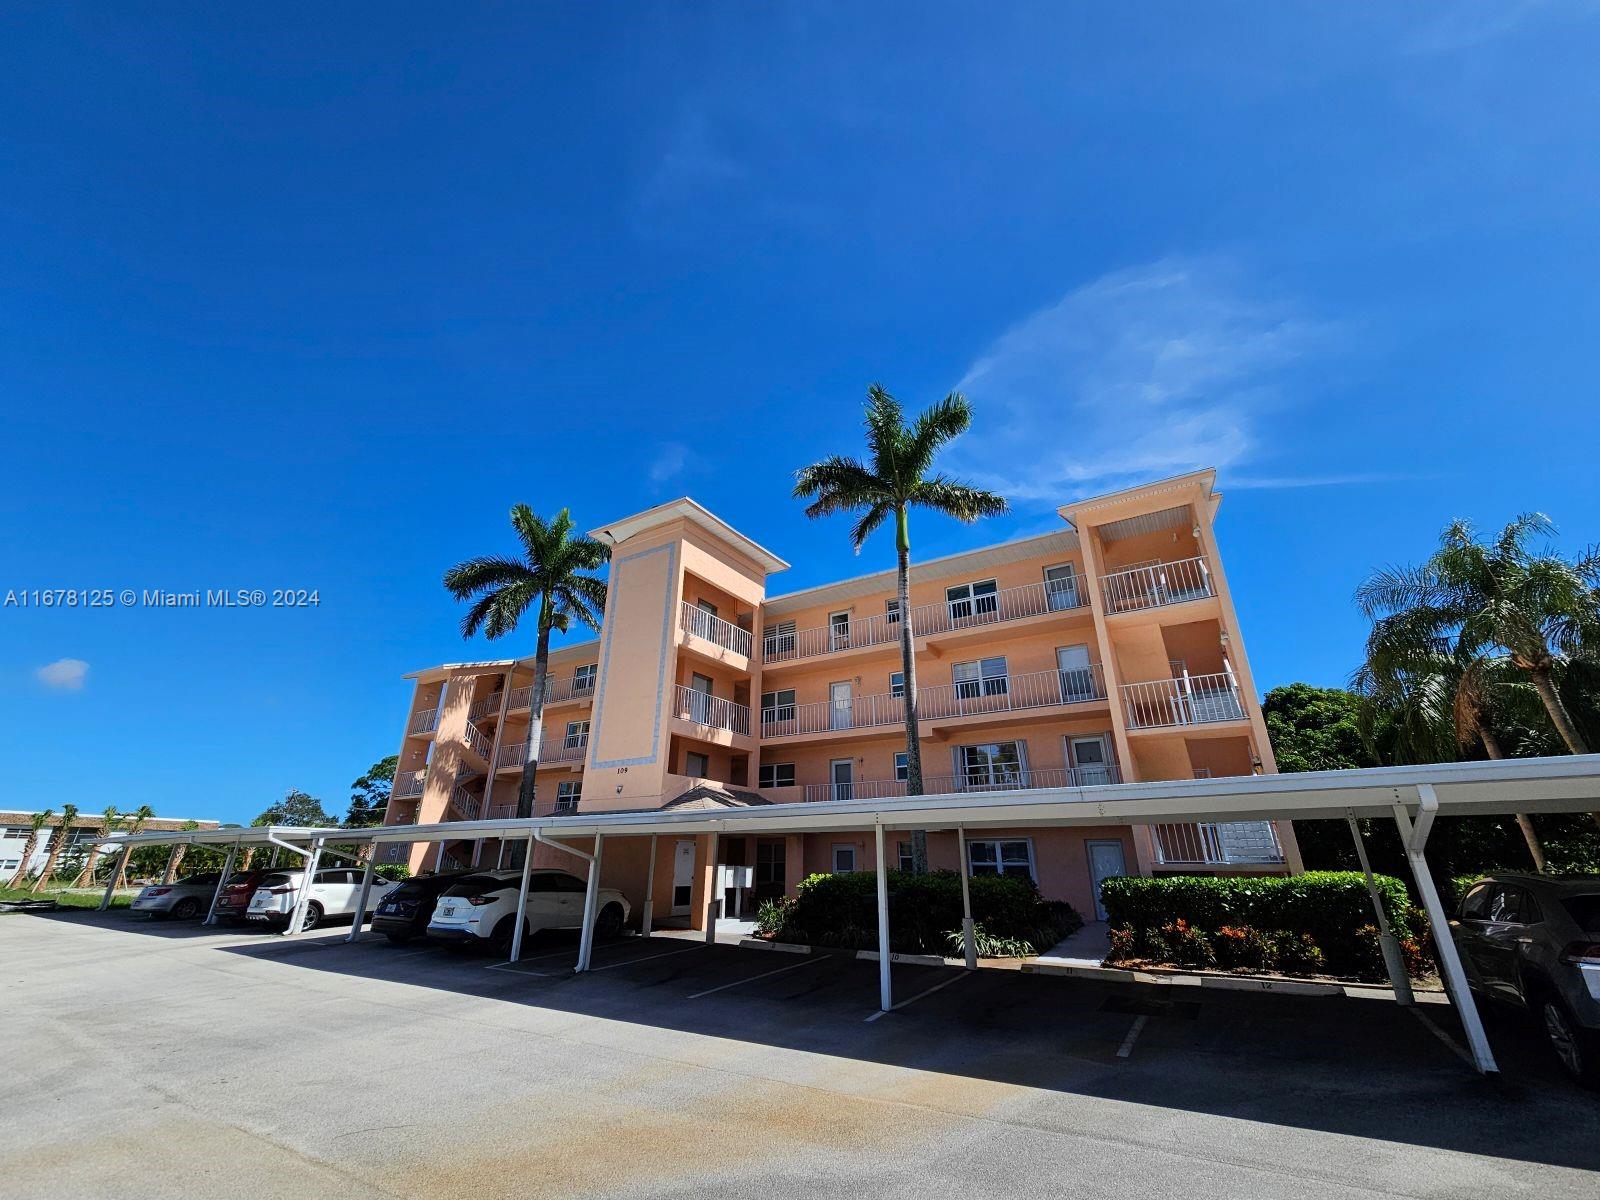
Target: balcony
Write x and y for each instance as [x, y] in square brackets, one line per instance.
[554, 752]
[424, 722]
[408, 784]
[942, 785]
[697, 622]
[997, 694]
[464, 805]
[488, 707]
[1012, 604]
[1217, 844]
[556, 691]
[711, 711]
[1157, 584]
[1187, 700]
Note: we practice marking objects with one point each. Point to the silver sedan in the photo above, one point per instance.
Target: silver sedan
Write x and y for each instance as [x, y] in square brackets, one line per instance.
[184, 898]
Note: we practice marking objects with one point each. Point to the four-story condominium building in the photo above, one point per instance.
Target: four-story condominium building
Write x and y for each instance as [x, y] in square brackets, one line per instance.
[1106, 651]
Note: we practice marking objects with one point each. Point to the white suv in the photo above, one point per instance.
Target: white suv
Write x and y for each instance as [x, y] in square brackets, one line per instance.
[480, 908]
[333, 894]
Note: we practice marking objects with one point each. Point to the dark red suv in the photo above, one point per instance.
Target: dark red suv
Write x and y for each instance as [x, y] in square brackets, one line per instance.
[235, 897]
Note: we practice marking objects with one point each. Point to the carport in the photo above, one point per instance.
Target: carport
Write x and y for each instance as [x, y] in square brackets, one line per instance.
[1413, 797]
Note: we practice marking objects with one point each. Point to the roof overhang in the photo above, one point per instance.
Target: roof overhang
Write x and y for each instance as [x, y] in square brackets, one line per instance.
[685, 509]
[252, 835]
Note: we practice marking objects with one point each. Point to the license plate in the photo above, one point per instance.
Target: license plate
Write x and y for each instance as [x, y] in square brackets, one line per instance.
[448, 911]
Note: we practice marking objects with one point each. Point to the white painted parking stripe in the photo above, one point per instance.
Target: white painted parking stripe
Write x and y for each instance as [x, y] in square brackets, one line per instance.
[647, 958]
[943, 983]
[764, 975]
[1133, 1036]
[516, 970]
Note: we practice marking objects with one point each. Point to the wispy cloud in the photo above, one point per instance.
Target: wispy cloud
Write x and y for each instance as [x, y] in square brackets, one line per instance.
[670, 460]
[1270, 482]
[64, 675]
[1473, 22]
[691, 166]
[1142, 373]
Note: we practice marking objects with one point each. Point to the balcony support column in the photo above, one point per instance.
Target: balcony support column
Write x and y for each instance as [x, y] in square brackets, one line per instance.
[885, 986]
[969, 936]
[647, 910]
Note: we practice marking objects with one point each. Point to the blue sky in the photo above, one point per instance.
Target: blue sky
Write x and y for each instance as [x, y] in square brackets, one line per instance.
[307, 297]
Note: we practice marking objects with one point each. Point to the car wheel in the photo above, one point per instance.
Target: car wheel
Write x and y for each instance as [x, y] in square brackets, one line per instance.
[186, 909]
[313, 916]
[500, 939]
[1574, 1045]
[609, 924]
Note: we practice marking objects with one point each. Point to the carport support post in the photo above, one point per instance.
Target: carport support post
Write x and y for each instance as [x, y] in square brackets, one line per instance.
[649, 891]
[361, 898]
[885, 990]
[227, 870]
[522, 901]
[1415, 840]
[304, 898]
[591, 900]
[969, 936]
[1393, 962]
[111, 884]
[713, 894]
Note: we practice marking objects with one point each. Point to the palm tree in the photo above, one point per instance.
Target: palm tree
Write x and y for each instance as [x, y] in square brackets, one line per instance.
[890, 483]
[86, 876]
[69, 814]
[550, 576]
[140, 815]
[35, 823]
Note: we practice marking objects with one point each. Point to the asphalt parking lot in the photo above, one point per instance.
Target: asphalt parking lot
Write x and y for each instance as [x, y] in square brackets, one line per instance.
[159, 1059]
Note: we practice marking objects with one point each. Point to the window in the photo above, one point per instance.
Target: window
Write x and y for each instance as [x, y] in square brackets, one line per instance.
[696, 765]
[706, 607]
[985, 857]
[891, 611]
[838, 630]
[778, 640]
[1061, 587]
[984, 677]
[9, 864]
[778, 706]
[991, 764]
[776, 775]
[908, 862]
[1513, 906]
[968, 600]
[577, 735]
[583, 678]
[844, 859]
[568, 793]
[1476, 905]
[897, 683]
[771, 867]
[902, 767]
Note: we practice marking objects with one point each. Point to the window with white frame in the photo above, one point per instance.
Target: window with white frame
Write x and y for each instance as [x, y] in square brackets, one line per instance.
[992, 765]
[776, 775]
[777, 706]
[844, 859]
[696, 765]
[902, 766]
[583, 677]
[897, 683]
[1001, 856]
[568, 793]
[778, 639]
[838, 630]
[981, 677]
[908, 860]
[891, 610]
[967, 600]
[577, 735]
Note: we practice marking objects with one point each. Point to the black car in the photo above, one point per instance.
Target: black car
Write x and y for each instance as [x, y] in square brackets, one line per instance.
[1533, 941]
[404, 913]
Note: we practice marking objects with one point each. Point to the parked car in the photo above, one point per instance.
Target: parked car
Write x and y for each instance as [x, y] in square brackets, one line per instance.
[1533, 941]
[334, 893]
[184, 898]
[480, 909]
[234, 901]
[406, 910]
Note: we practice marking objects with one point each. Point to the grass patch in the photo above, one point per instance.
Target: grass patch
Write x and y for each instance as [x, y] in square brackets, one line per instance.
[83, 898]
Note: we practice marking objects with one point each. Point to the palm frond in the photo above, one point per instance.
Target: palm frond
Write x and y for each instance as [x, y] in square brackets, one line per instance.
[869, 521]
[475, 575]
[959, 500]
[938, 424]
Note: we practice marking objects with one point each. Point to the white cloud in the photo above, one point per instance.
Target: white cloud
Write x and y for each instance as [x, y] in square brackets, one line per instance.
[65, 674]
[670, 460]
[1143, 373]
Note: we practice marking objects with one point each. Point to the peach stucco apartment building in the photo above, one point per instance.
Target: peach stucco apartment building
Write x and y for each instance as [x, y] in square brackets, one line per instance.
[1107, 650]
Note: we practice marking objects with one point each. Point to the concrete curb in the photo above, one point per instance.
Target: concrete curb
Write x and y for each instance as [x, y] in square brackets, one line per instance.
[781, 947]
[1280, 984]
[921, 960]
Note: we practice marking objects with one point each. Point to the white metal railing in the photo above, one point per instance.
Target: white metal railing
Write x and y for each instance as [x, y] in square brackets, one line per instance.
[994, 781]
[711, 711]
[551, 750]
[1011, 604]
[425, 721]
[1157, 584]
[556, 691]
[489, 706]
[1187, 700]
[480, 745]
[465, 804]
[1224, 843]
[999, 693]
[702, 624]
[408, 784]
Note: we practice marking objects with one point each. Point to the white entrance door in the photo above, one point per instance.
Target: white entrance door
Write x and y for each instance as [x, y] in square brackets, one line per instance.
[840, 775]
[1105, 860]
[1091, 761]
[1061, 587]
[682, 877]
[839, 706]
[1077, 679]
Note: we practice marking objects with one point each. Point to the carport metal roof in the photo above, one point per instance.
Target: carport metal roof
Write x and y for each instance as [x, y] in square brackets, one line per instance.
[253, 835]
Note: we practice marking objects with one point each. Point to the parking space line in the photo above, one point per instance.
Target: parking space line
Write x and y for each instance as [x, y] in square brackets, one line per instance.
[514, 970]
[628, 962]
[810, 961]
[1133, 1036]
[943, 983]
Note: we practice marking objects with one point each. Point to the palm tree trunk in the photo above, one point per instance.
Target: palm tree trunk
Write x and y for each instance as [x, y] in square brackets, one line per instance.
[1491, 747]
[244, 859]
[174, 863]
[21, 877]
[908, 668]
[527, 793]
[86, 876]
[56, 844]
[1559, 717]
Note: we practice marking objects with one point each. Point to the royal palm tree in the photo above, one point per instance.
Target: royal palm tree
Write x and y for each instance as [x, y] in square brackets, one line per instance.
[109, 822]
[140, 815]
[550, 578]
[896, 477]
[69, 814]
[35, 823]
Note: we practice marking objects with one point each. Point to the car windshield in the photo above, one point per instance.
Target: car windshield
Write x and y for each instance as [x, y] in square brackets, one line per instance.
[478, 885]
[1585, 911]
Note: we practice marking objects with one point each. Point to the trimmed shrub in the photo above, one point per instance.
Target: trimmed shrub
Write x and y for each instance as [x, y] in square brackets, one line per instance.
[1241, 947]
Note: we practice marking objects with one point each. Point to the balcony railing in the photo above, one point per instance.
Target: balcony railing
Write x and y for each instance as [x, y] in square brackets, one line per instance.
[464, 805]
[489, 706]
[994, 781]
[1188, 700]
[996, 694]
[1157, 584]
[425, 721]
[480, 744]
[556, 691]
[1012, 604]
[408, 784]
[1227, 843]
[702, 624]
[553, 750]
[711, 711]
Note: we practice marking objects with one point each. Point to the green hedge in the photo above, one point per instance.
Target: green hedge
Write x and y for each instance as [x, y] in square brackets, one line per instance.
[842, 910]
[1332, 908]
